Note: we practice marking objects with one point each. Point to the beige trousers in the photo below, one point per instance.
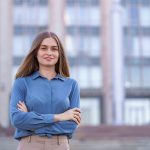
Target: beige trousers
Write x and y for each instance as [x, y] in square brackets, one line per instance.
[35, 142]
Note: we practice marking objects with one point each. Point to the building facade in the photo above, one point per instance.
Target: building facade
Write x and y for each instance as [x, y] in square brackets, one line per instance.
[89, 34]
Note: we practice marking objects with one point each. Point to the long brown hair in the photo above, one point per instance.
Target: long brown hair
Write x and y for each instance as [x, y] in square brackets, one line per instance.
[30, 63]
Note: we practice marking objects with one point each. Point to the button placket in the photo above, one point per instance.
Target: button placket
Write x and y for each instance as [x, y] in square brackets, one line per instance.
[50, 86]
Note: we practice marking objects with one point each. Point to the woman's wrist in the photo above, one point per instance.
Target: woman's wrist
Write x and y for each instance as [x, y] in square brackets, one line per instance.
[58, 117]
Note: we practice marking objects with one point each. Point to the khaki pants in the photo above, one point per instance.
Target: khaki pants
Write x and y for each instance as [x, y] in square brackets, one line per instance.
[35, 142]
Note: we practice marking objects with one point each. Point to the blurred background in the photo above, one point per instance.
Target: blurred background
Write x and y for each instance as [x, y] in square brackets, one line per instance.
[107, 43]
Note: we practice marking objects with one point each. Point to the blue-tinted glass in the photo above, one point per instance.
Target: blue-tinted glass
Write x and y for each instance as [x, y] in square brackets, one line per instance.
[134, 15]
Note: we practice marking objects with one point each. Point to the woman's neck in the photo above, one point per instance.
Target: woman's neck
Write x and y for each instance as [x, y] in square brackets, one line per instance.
[48, 72]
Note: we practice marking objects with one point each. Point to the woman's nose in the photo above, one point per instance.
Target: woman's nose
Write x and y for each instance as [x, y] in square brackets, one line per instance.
[49, 51]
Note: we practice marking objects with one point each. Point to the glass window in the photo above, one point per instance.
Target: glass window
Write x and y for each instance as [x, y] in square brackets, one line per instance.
[34, 18]
[21, 45]
[138, 77]
[125, 16]
[71, 45]
[137, 111]
[18, 46]
[35, 15]
[74, 72]
[30, 2]
[145, 16]
[141, 46]
[17, 16]
[136, 47]
[83, 76]
[134, 15]
[146, 46]
[133, 76]
[95, 45]
[95, 75]
[68, 19]
[18, 2]
[88, 77]
[90, 116]
[94, 16]
[146, 76]
[82, 16]
[43, 15]
[87, 45]
[82, 2]
[128, 45]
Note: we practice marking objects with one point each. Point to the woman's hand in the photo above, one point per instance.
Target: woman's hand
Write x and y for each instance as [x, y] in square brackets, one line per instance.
[22, 107]
[71, 114]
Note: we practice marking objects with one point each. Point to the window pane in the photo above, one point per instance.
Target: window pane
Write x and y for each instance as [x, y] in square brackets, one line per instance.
[145, 16]
[134, 15]
[83, 76]
[133, 76]
[136, 47]
[85, 45]
[80, 16]
[146, 76]
[21, 44]
[74, 73]
[71, 45]
[95, 48]
[146, 46]
[95, 77]
[137, 111]
[90, 111]
[39, 15]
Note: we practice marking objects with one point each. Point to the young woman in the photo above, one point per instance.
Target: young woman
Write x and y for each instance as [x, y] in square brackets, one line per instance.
[45, 100]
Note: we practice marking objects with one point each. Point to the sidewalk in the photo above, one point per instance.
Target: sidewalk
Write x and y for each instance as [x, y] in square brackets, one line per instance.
[8, 143]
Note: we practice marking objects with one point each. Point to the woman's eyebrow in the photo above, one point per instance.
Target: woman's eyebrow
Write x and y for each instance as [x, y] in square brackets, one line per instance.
[51, 46]
[55, 46]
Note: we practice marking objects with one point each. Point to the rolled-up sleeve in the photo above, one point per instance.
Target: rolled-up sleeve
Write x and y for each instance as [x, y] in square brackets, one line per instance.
[25, 120]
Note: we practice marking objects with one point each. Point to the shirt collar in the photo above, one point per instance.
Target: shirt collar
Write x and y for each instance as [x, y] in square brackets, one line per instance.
[37, 74]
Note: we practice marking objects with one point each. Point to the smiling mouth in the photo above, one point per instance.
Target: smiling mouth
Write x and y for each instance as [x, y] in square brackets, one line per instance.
[48, 58]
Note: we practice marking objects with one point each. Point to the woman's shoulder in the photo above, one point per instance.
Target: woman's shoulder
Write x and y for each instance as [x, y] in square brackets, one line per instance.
[19, 81]
[72, 80]
[23, 79]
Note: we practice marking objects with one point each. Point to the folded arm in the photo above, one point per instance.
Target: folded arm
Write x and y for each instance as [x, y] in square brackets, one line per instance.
[25, 120]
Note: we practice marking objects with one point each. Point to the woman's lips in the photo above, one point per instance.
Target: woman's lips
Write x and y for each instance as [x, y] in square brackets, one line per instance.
[48, 58]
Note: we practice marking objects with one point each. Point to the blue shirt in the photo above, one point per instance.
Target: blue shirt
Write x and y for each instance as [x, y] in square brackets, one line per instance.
[43, 99]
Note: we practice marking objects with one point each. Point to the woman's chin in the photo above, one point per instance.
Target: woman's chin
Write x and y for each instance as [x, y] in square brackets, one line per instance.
[49, 64]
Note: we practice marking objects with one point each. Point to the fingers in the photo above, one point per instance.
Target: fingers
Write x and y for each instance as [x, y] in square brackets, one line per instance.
[78, 114]
[77, 118]
[77, 109]
[22, 106]
[20, 109]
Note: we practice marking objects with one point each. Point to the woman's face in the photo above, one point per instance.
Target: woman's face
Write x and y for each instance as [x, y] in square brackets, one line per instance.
[48, 54]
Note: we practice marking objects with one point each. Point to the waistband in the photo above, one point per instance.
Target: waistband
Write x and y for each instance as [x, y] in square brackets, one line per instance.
[42, 139]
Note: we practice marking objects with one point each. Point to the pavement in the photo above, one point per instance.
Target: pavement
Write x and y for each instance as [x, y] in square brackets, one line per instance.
[8, 143]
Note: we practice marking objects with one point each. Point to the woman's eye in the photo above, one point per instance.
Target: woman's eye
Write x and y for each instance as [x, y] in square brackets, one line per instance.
[43, 48]
[55, 49]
